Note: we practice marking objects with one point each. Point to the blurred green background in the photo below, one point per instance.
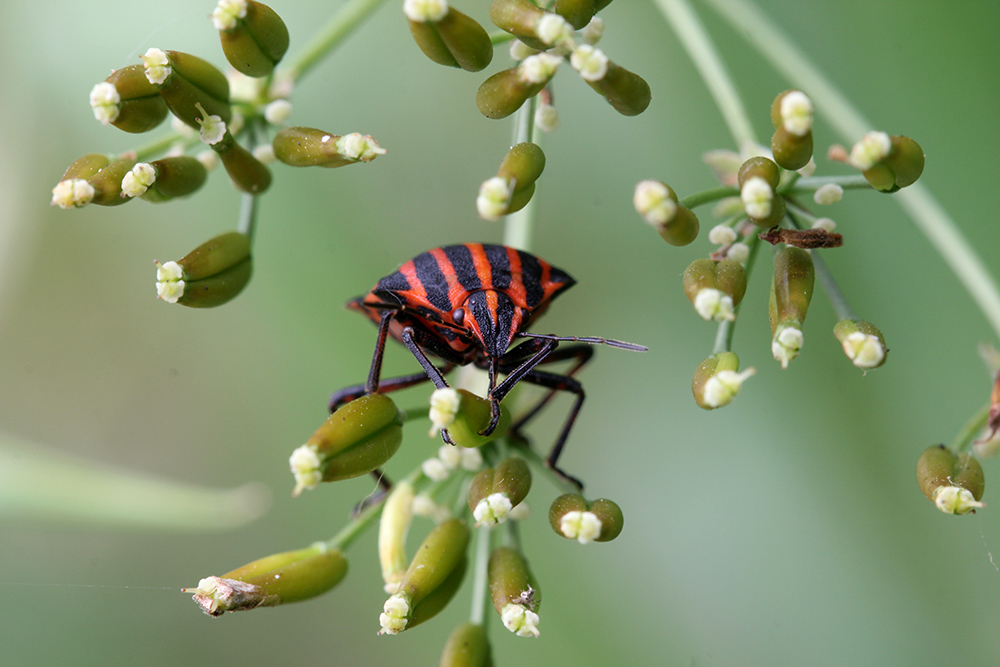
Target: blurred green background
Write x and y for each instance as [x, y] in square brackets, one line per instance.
[785, 529]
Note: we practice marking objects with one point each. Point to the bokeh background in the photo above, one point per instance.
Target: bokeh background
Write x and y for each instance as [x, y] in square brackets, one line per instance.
[785, 529]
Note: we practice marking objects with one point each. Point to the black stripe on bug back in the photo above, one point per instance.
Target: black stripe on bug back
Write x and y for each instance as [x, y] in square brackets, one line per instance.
[394, 282]
[433, 281]
[531, 277]
[499, 265]
[494, 325]
[465, 269]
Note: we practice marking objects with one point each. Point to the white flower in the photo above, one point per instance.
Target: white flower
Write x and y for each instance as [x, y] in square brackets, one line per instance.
[786, 344]
[213, 128]
[395, 614]
[872, 149]
[72, 193]
[652, 201]
[738, 252]
[538, 68]
[264, 153]
[422, 11]
[277, 112]
[590, 62]
[227, 13]
[520, 620]
[757, 197]
[796, 111]
[435, 469]
[494, 197]
[713, 304]
[157, 65]
[472, 458]
[361, 147]
[831, 193]
[721, 388]
[554, 30]
[444, 406]
[304, 461]
[519, 50]
[722, 235]
[584, 527]
[955, 500]
[492, 509]
[593, 31]
[546, 117]
[864, 350]
[825, 224]
[137, 181]
[104, 100]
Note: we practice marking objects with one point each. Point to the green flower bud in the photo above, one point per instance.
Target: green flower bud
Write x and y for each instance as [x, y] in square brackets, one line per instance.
[791, 292]
[514, 591]
[906, 159]
[572, 517]
[127, 100]
[716, 380]
[283, 578]
[761, 167]
[309, 147]
[107, 182]
[657, 203]
[185, 81]
[247, 172]
[254, 38]
[353, 441]
[164, 179]
[514, 183]
[626, 91]
[467, 646]
[74, 189]
[953, 482]
[465, 416]
[453, 39]
[503, 93]
[715, 288]
[208, 276]
[397, 514]
[791, 151]
[496, 491]
[440, 556]
[888, 163]
[521, 18]
[577, 12]
[863, 343]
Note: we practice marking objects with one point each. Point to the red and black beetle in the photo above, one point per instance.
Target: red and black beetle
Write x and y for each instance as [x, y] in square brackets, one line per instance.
[465, 304]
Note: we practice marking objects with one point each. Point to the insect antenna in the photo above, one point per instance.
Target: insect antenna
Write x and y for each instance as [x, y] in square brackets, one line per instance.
[593, 340]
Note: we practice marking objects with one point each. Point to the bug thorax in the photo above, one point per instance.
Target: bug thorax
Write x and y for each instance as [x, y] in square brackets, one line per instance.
[491, 317]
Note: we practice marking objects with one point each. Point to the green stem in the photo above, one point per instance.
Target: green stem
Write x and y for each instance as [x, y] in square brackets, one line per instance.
[826, 280]
[710, 65]
[329, 37]
[813, 183]
[518, 226]
[963, 440]
[927, 214]
[159, 146]
[480, 583]
[727, 328]
[709, 195]
[343, 539]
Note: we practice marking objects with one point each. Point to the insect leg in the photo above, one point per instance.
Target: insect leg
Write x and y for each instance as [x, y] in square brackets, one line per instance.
[580, 354]
[557, 382]
[348, 394]
[411, 338]
[376, 370]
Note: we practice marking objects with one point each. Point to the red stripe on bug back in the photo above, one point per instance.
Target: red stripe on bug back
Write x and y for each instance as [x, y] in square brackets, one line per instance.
[481, 263]
[456, 292]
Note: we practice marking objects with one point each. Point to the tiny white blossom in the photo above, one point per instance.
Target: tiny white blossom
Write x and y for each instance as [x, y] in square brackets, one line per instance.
[138, 179]
[519, 50]
[722, 388]
[425, 506]
[872, 149]
[584, 527]
[422, 11]
[722, 235]
[435, 469]
[955, 500]
[243, 88]
[520, 512]
[180, 127]
[494, 197]
[451, 456]
[72, 193]
[157, 65]
[831, 193]
[105, 101]
[593, 31]
[712, 304]
[590, 62]
[538, 68]
[786, 344]
[652, 201]
[444, 406]
[227, 13]
[395, 615]
[277, 112]
[209, 159]
[492, 509]
[546, 117]
[521, 621]
[757, 197]
[864, 350]
[738, 252]
[825, 224]
[213, 128]
[361, 147]
[987, 447]
[264, 153]
[553, 30]
[796, 111]
[809, 169]
[472, 458]
[304, 463]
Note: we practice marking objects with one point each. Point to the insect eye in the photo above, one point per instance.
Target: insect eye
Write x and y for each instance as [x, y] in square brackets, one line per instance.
[458, 315]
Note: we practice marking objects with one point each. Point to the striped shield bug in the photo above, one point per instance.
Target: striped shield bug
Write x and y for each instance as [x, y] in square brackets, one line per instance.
[465, 304]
